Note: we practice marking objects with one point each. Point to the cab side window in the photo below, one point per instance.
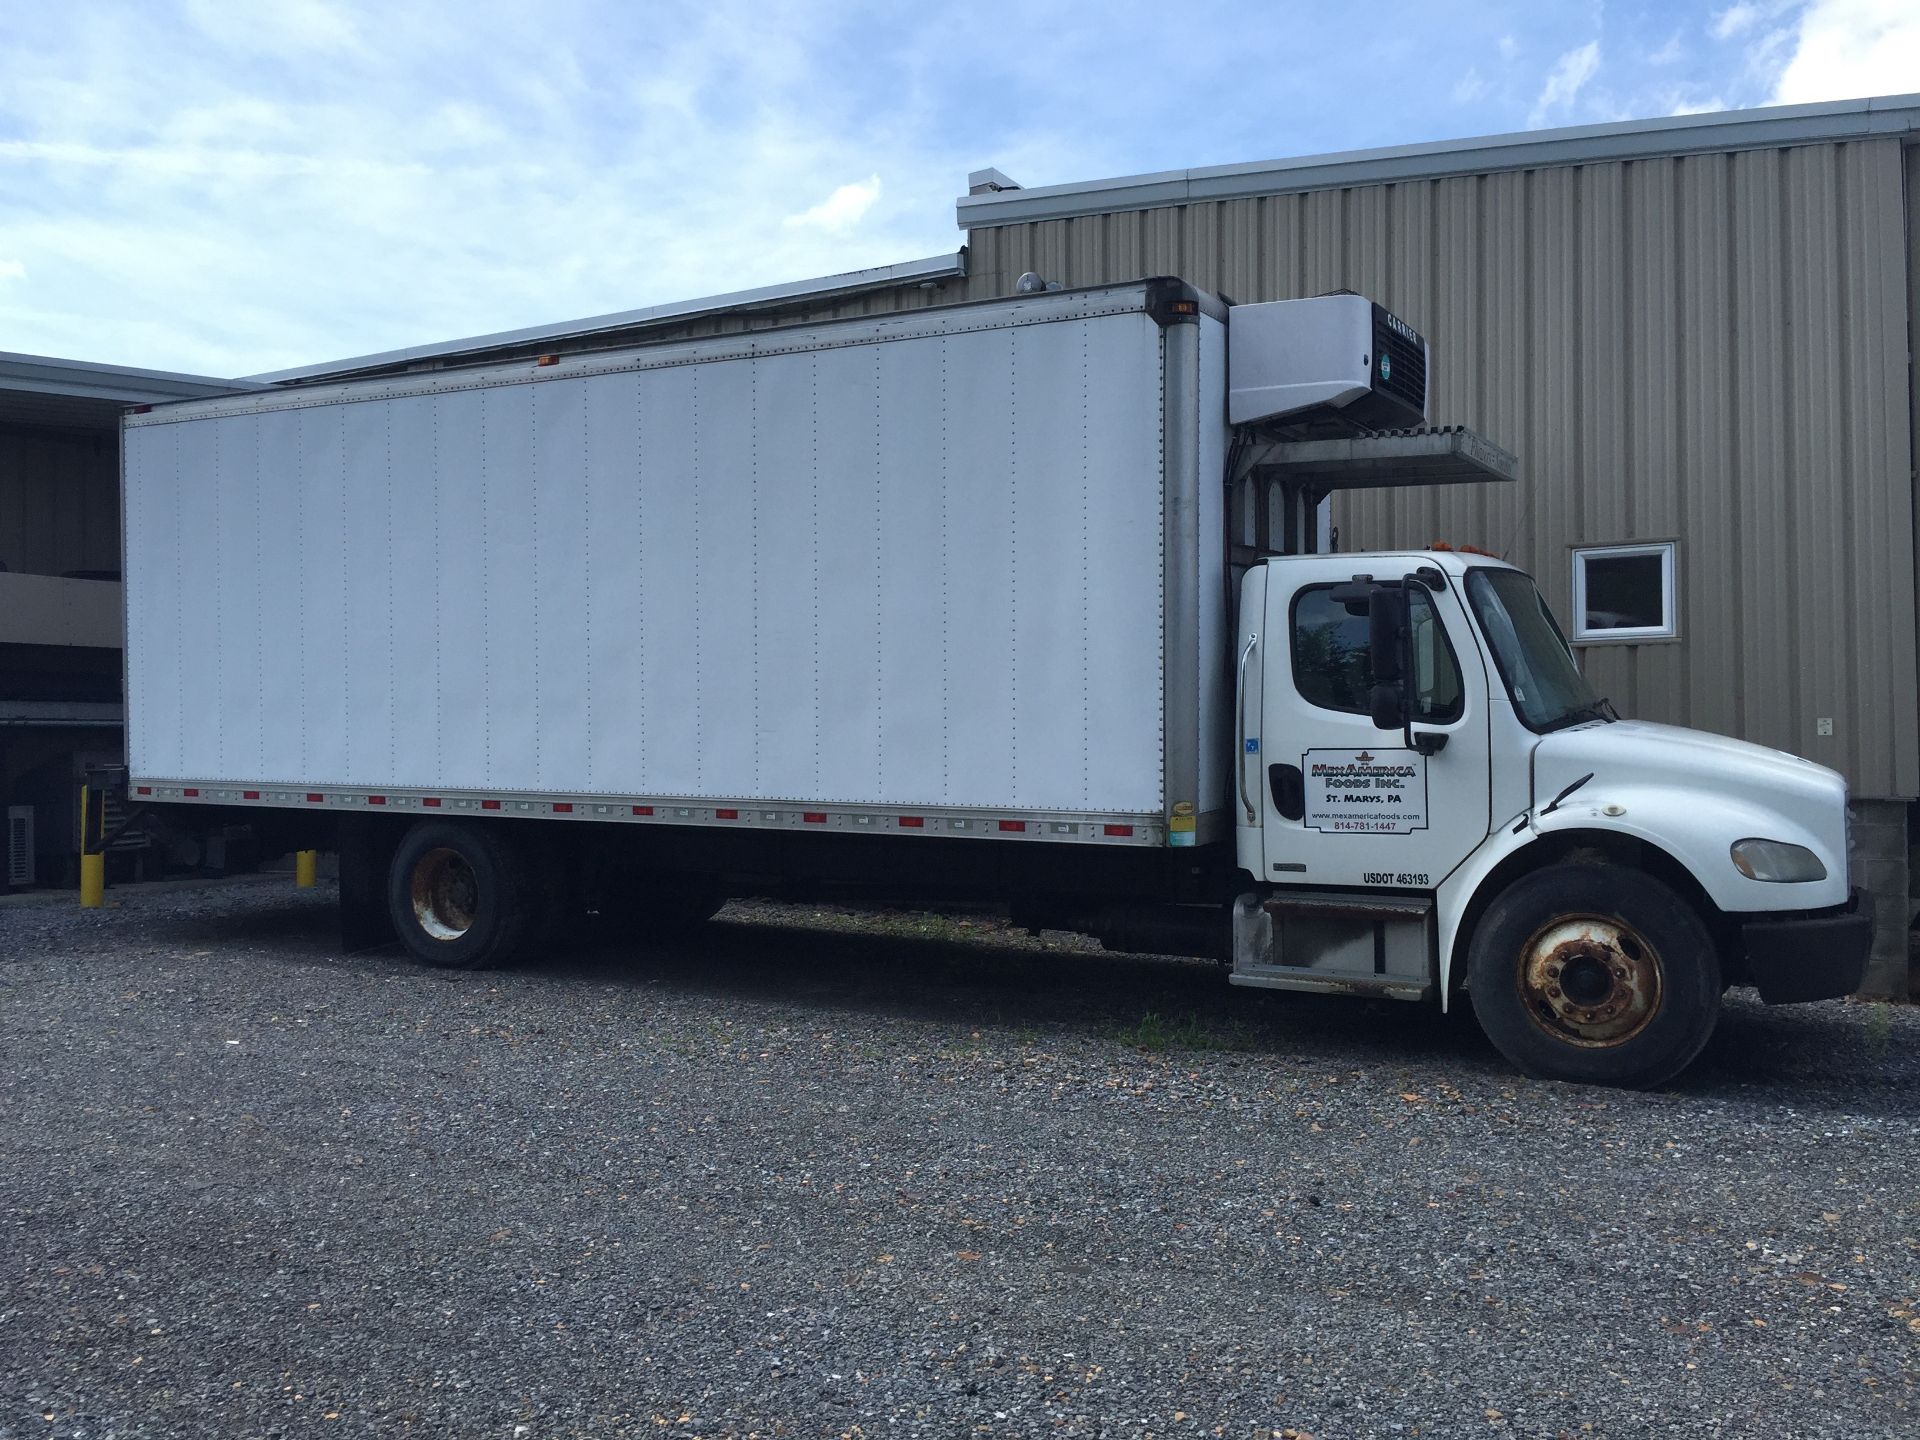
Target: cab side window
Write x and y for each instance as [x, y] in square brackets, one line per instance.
[1332, 669]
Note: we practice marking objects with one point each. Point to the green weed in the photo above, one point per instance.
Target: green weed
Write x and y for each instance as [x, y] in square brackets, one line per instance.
[1156, 1033]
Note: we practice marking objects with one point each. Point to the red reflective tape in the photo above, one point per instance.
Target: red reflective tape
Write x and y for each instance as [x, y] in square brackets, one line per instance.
[815, 817]
[190, 791]
[643, 809]
[561, 807]
[316, 799]
[489, 804]
[432, 802]
[249, 794]
[1118, 829]
[912, 822]
[376, 799]
[1013, 824]
[143, 790]
[726, 814]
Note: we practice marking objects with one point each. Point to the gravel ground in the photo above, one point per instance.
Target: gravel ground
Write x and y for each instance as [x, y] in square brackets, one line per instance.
[828, 1174]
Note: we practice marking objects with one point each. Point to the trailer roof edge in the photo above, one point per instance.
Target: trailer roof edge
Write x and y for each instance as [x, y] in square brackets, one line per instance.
[931, 269]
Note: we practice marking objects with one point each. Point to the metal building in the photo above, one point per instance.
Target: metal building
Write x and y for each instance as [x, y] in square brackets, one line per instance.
[61, 603]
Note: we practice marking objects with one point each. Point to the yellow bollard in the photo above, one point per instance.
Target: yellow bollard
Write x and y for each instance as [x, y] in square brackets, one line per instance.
[306, 868]
[93, 864]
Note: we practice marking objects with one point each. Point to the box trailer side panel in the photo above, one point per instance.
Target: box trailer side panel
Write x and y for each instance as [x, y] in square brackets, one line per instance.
[918, 563]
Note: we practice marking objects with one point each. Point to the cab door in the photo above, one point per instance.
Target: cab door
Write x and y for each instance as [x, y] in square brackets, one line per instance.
[1344, 802]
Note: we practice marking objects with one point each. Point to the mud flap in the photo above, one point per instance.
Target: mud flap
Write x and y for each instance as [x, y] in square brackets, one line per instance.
[366, 855]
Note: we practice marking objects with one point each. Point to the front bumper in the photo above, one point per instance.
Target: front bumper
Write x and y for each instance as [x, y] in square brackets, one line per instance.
[1820, 955]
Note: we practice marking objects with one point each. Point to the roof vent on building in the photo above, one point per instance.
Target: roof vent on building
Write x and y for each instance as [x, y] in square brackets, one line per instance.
[988, 182]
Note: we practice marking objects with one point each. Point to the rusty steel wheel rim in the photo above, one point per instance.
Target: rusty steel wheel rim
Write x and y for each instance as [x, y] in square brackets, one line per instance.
[1590, 980]
[446, 897]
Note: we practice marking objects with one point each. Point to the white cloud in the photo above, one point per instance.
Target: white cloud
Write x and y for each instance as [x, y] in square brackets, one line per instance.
[12, 270]
[1670, 53]
[1509, 47]
[840, 211]
[275, 25]
[1734, 20]
[1711, 105]
[1468, 88]
[1845, 49]
[1569, 75]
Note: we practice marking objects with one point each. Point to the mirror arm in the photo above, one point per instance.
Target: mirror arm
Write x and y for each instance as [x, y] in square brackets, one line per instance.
[1430, 743]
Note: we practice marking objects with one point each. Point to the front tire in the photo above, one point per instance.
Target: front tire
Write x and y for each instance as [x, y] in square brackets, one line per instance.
[462, 896]
[1595, 974]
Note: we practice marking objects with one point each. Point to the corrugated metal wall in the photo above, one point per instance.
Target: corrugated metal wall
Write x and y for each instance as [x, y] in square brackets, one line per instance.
[1710, 349]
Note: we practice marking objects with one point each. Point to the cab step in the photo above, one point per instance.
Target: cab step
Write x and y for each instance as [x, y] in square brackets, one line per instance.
[1337, 943]
[1287, 977]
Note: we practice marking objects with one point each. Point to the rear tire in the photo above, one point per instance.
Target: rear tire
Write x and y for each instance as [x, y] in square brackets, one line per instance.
[462, 896]
[1595, 974]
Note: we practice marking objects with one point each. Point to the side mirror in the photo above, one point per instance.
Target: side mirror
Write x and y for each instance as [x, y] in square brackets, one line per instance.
[1388, 706]
[1386, 634]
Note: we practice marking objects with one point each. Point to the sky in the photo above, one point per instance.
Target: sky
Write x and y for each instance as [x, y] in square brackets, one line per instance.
[226, 187]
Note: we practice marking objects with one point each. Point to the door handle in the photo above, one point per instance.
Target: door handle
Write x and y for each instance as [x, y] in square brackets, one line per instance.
[1289, 787]
[1246, 800]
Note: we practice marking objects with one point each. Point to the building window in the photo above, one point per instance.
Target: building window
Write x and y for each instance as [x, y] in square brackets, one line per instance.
[1624, 592]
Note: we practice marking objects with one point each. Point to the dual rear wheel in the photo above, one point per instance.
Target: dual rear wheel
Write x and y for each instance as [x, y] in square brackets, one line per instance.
[468, 896]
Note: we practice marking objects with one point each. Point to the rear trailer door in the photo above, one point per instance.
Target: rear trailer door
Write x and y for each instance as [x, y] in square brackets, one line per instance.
[1343, 803]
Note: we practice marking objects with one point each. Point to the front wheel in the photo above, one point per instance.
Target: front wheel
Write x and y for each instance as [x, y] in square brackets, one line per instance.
[1595, 974]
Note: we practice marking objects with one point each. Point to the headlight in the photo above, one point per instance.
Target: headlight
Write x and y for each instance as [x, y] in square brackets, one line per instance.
[1777, 861]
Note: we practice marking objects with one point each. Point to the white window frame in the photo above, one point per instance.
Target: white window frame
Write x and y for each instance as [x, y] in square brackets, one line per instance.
[1670, 630]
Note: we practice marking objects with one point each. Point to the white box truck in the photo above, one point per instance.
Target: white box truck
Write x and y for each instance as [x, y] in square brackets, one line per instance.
[1021, 599]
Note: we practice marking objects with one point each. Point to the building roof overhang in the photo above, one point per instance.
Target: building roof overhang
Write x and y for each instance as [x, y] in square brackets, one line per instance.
[1769, 128]
[81, 394]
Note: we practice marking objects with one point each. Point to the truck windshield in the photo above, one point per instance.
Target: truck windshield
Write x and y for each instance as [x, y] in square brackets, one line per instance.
[1547, 687]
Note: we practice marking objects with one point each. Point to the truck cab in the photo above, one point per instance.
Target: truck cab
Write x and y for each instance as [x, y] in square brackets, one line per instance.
[1431, 799]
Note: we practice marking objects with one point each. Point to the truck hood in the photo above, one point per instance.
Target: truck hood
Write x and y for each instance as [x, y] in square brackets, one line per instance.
[1693, 795]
